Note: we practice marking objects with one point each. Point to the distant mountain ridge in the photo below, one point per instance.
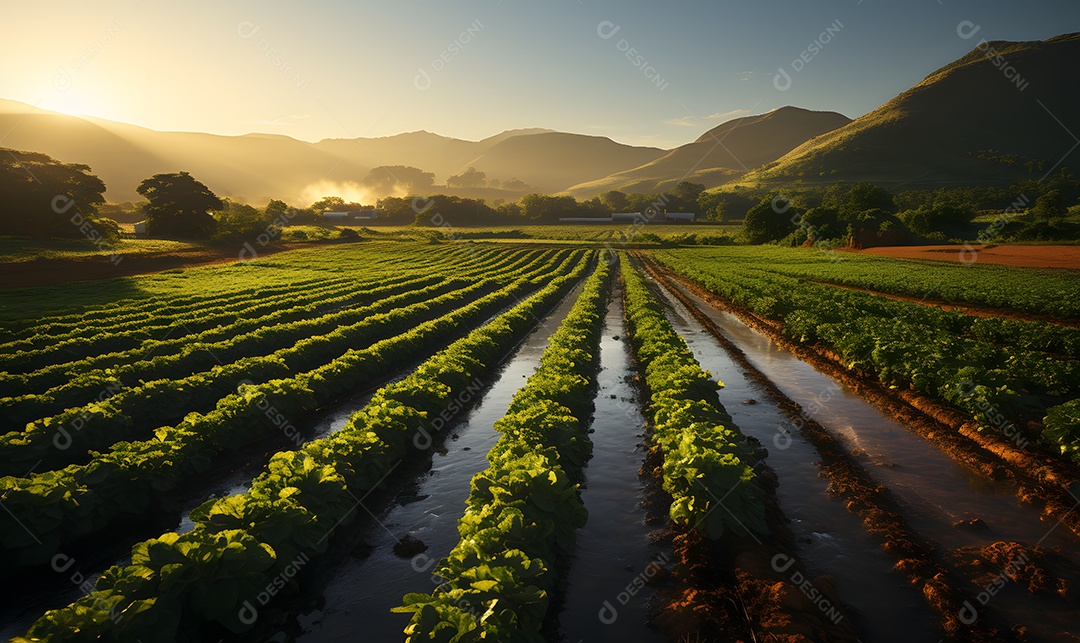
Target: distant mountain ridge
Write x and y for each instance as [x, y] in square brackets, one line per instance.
[258, 167]
[723, 152]
[990, 117]
[1005, 111]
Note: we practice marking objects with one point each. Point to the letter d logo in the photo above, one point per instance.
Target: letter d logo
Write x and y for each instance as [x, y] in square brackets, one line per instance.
[248, 614]
[606, 29]
[782, 80]
[968, 614]
[782, 562]
[608, 613]
[422, 81]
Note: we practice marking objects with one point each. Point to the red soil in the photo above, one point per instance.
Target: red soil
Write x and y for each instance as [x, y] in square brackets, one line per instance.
[1067, 257]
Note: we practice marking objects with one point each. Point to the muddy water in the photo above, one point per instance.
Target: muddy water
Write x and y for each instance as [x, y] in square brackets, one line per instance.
[235, 474]
[231, 474]
[934, 491]
[830, 539]
[602, 601]
[357, 599]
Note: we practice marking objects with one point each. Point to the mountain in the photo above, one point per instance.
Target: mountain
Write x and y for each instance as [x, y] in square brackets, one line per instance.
[258, 167]
[723, 152]
[979, 120]
[254, 167]
[546, 160]
[554, 161]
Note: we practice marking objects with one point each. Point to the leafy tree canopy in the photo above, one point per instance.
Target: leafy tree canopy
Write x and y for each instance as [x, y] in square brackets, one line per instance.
[388, 179]
[43, 197]
[470, 178]
[178, 205]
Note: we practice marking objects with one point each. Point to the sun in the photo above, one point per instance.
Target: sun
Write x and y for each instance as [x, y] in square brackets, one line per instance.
[75, 103]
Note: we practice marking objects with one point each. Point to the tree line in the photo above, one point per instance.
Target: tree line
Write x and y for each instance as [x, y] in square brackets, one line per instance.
[43, 197]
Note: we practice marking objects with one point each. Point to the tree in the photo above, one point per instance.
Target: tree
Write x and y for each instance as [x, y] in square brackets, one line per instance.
[712, 206]
[441, 210]
[277, 209]
[514, 184]
[1050, 206]
[43, 197]
[387, 179]
[615, 201]
[859, 198]
[769, 220]
[239, 221]
[543, 208]
[685, 195]
[328, 204]
[178, 205]
[470, 178]
[938, 221]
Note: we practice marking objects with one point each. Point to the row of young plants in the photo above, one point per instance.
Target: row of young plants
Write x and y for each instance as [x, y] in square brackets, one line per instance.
[69, 383]
[132, 412]
[523, 509]
[80, 340]
[707, 462]
[131, 312]
[63, 385]
[1039, 339]
[1037, 292]
[193, 586]
[171, 331]
[56, 507]
[193, 292]
[903, 344]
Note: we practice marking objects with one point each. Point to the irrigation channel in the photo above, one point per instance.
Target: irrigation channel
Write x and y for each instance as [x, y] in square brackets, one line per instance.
[414, 524]
[229, 475]
[939, 498]
[43, 590]
[599, 600]
[620, 560]
[615, 566]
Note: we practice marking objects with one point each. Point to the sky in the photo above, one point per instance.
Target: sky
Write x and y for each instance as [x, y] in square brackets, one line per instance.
[641, 73]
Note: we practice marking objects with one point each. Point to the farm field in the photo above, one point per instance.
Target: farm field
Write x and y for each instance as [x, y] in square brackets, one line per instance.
[543, 438]
[28, 263]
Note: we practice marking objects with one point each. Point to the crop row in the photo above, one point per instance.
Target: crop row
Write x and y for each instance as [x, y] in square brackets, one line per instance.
[523, 509]
[55, 507]
[164, 317]
[173, 329]
[180, 356]
[179, 587]
[66, 384]
[165, 321]
[1040, 292]
[707, 468]
[185, 293]
[131, 412]
[193, 292]
[903, 344]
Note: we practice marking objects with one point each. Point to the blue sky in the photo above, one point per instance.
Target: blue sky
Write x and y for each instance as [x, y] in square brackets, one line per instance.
[663, 74]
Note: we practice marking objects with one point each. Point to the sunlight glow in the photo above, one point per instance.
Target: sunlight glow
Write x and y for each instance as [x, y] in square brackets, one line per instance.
[77, 103]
